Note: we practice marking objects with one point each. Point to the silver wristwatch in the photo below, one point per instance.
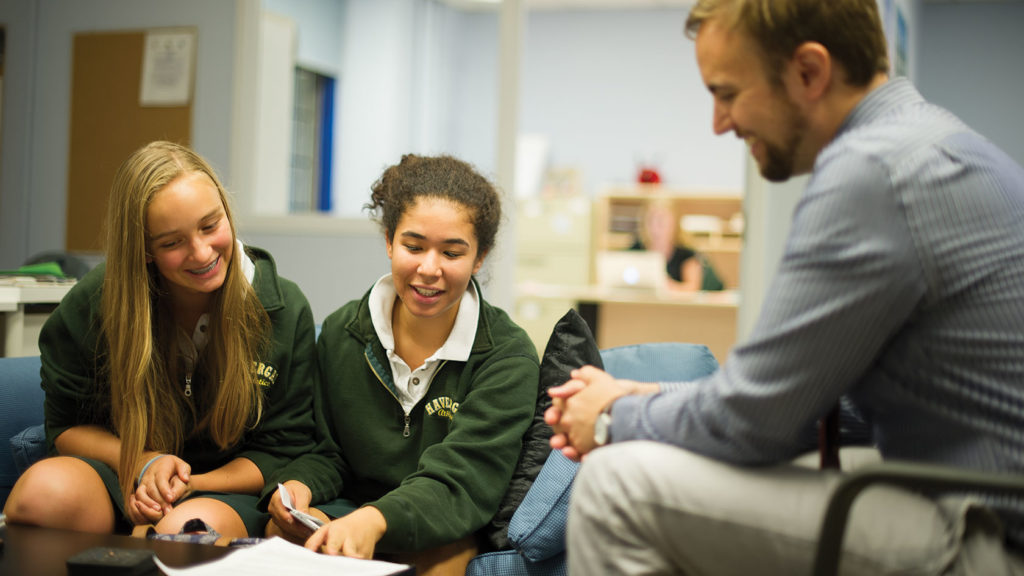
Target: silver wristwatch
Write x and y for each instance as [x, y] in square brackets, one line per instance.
[603, 427]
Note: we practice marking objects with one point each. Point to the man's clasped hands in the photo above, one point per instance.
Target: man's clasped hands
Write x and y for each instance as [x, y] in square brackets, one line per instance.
[576, 405]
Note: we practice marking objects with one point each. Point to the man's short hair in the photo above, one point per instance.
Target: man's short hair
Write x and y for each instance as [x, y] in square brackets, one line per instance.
[851, 30]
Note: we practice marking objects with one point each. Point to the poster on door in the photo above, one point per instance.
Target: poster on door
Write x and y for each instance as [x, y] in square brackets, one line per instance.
[167, 64]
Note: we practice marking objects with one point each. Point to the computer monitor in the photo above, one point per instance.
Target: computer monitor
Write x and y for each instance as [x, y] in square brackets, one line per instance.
[639, 269]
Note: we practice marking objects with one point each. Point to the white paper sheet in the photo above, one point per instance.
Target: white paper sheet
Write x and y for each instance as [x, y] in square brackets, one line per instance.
[278, 557]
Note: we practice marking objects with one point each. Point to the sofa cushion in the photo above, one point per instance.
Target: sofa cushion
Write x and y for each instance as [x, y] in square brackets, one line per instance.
[508, 563]
[570, 346]
[659, 361]
[21, 405]
[28, 447]
[537, 529]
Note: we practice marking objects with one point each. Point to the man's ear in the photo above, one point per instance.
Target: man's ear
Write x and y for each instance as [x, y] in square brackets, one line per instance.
[810, 70]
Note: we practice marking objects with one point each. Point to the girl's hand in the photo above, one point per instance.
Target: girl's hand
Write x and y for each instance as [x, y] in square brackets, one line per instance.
[354, 535]
[300, 498]
[162, 483]
[141, 514]
[181, 489]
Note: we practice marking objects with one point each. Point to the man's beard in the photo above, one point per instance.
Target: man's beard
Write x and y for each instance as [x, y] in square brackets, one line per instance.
[779, 160]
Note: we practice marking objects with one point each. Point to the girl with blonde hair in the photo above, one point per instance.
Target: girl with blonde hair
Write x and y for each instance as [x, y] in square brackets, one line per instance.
[686, 268]
[178, 373]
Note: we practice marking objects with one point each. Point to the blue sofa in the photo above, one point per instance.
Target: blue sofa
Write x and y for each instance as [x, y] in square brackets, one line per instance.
[21, 417]
[536, 530]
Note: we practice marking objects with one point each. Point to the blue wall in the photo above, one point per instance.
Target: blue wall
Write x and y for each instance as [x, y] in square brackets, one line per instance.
[36, 123]
[614, 88]
[971, 63]
[608, 88]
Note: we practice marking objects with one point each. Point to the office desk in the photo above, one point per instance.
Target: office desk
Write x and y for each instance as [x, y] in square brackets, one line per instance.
[625, 316]
[24, 306]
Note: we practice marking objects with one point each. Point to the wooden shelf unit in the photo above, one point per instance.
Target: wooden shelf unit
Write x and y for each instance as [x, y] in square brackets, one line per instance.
[618, 215]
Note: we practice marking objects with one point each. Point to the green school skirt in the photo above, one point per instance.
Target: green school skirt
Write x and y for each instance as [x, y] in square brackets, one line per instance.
[336, 508]
[243, 504]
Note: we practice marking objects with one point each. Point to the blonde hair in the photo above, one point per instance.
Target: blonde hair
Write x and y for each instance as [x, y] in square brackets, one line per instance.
[658, 220]
[851, 30]
[147, 411]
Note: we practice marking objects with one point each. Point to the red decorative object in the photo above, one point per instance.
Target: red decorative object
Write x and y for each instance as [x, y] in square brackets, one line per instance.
[648, 176]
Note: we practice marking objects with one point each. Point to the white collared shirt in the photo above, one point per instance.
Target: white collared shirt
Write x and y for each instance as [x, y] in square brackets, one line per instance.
[412, 384]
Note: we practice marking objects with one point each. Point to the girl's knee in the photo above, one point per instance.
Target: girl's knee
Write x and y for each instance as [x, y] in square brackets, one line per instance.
[446, 560]
[61, 492]
[47, 484]
[216, 514]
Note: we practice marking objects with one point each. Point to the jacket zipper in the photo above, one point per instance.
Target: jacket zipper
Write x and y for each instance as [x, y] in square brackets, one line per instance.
[188, 349]
[406, 432]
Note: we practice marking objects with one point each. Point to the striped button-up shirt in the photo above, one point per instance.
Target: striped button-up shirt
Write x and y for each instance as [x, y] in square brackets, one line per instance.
[901, 285]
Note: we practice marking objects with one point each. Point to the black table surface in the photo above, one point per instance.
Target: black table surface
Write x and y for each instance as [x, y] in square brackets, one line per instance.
[32, 551]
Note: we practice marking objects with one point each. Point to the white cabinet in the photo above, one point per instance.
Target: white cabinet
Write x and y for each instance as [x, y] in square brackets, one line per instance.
[553, 247]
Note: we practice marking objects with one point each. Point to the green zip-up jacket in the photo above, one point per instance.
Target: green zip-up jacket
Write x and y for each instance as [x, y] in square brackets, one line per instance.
[74, 374]
[439, 474]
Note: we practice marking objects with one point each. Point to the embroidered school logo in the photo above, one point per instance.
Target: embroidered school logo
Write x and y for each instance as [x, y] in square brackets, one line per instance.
[443, 407]
[265, 373]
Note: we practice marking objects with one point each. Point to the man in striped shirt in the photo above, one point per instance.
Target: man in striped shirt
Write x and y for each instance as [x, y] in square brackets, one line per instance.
[901, 287]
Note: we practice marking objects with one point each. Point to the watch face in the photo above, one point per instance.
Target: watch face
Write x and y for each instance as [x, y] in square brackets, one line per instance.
[601, 426]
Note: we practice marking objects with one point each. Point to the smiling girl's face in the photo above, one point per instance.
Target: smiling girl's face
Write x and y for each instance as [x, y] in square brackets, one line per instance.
[188, 236]
[433, 255]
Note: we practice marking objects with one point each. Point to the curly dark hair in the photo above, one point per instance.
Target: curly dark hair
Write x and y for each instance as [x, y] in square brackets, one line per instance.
[444, 177]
